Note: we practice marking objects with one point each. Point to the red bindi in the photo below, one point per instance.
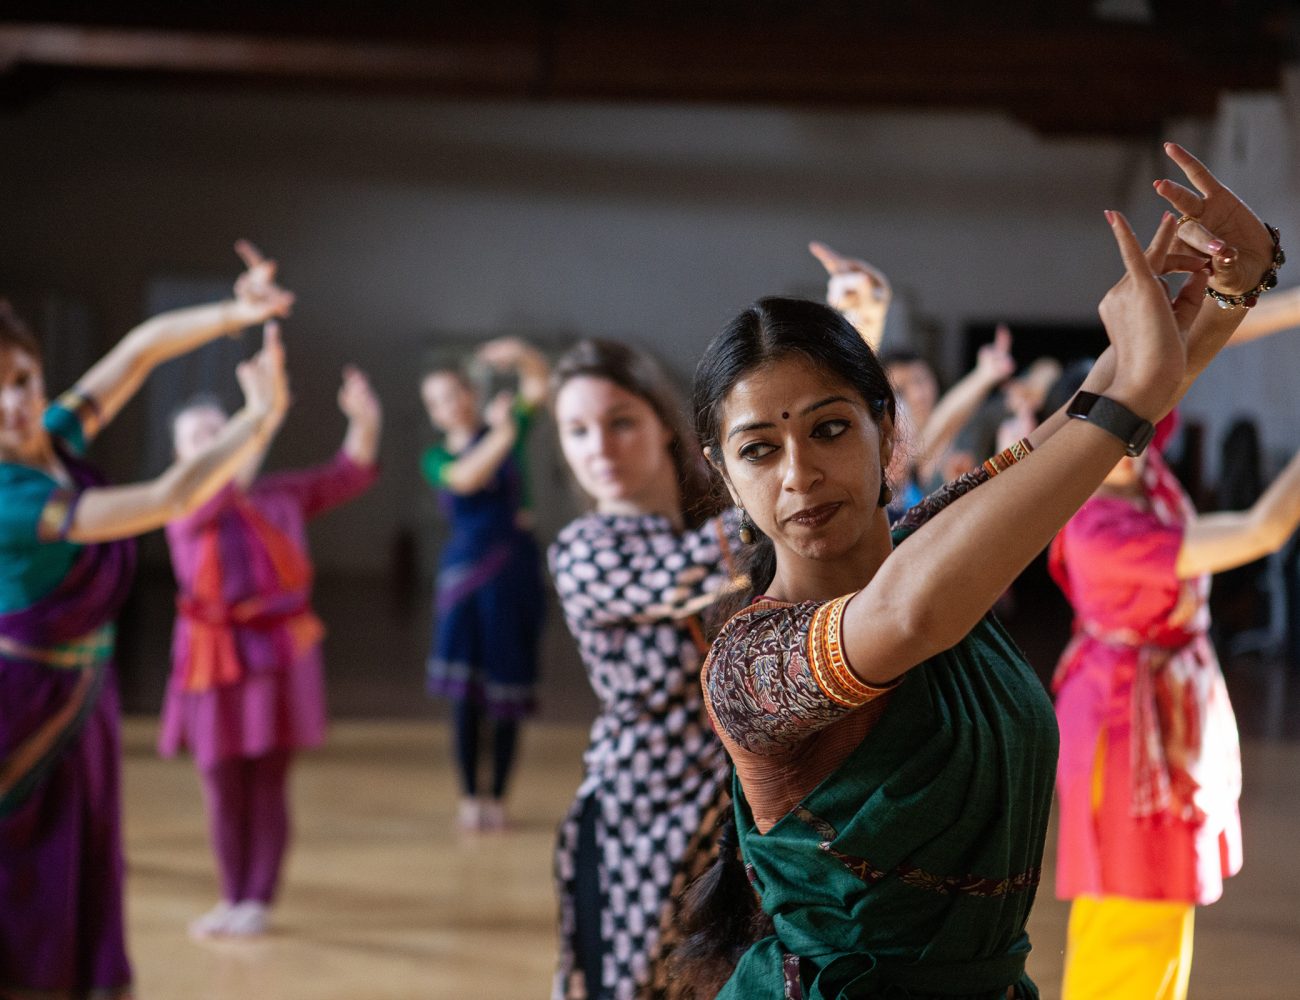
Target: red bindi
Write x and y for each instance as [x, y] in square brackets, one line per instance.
[785, 416]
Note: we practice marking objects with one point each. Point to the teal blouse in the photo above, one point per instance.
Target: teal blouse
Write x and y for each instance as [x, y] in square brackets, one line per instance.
[35, 511]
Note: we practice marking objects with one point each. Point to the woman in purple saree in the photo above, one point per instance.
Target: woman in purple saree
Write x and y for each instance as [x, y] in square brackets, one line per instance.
[65, 568]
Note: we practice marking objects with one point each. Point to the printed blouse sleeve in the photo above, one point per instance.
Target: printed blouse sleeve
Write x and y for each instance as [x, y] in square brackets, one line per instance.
[777, 674]
[74, 419]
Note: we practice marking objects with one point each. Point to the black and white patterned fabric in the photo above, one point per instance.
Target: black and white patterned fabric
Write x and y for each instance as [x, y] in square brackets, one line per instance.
[654, 766]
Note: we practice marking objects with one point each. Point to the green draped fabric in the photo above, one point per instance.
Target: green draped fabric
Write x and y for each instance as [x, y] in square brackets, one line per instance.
[911, 870]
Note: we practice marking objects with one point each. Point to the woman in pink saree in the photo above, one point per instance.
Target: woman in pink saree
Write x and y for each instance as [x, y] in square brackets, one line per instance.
[1150, 768]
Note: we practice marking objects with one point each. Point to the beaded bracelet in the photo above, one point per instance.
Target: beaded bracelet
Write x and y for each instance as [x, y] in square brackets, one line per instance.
[1269, 281]
[1005, 459]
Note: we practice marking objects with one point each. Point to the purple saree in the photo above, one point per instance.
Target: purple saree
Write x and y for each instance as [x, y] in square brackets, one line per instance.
[61, 864]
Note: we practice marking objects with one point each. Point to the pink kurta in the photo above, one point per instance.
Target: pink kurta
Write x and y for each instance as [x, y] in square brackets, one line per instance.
[1140, 662]
[278, 702]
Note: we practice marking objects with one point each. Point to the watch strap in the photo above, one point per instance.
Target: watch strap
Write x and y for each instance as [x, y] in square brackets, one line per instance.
[1118, 419]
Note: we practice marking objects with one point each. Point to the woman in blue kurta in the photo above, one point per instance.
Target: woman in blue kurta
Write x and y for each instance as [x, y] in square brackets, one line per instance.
[489, 603]
[894, 754]
[65, 568]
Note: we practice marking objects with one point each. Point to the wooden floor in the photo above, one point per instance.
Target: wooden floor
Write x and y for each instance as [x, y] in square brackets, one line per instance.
[383, 900]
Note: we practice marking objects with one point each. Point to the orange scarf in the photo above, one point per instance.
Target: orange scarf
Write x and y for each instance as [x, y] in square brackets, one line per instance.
[213, 658]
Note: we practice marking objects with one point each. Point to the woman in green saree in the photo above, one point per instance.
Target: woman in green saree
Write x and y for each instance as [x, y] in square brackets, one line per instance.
[894, 753]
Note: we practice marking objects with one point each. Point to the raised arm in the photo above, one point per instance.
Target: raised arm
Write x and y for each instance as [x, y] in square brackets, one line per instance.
[526, 361]
[928, 595]
[116, 377]
[365, 416]
[858, 290]
[474, 468]
[1221, 541]
[958, 404]
[110, 512]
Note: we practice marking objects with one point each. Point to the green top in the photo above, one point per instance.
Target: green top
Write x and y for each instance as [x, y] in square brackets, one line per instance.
[436, 460]
[34, 510]
[911, 869]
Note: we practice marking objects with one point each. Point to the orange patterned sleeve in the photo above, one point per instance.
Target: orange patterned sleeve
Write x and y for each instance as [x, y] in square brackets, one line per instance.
[826, 659]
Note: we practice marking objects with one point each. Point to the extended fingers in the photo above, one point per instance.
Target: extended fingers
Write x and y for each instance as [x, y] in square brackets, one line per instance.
[1196, 171]
[249, 254]
[1183, 200]
[1162, 242]
[1135, 262]
[1002, 339]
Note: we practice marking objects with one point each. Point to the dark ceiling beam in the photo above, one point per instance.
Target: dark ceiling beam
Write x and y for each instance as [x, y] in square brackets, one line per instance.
[1076, 79]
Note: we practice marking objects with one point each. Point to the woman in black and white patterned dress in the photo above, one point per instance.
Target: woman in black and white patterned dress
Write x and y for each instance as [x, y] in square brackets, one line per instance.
[632, 575]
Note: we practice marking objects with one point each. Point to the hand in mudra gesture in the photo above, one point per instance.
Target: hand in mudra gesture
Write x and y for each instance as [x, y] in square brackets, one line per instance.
[257, 296]
[856, 289]
[1219, 228]
[356, 397]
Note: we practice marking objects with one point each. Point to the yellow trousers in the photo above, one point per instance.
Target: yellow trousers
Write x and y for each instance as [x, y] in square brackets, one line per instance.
[1127, 949]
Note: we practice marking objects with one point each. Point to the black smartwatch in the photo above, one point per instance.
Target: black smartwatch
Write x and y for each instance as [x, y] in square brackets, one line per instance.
[1109, 415]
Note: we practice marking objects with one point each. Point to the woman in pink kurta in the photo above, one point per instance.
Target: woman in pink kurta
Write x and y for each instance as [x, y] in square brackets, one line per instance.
[1150, 769]
[246, 688]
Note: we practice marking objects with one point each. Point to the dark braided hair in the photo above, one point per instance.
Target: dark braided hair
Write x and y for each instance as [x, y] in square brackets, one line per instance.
[721, 918]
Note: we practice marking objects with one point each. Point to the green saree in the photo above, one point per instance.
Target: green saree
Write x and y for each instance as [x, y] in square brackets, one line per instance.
[910, 871]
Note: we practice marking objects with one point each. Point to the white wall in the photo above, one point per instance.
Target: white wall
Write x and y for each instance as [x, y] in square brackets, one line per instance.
[397, 218]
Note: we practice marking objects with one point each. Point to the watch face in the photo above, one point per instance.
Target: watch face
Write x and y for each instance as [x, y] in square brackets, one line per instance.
[1081, 404]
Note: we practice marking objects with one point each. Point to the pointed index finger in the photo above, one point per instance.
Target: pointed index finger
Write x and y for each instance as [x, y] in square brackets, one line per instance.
[249, 254]
[1135, 261]
[832, 261]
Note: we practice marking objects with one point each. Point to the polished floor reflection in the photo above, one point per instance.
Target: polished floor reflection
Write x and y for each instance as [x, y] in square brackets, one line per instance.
[385, 901]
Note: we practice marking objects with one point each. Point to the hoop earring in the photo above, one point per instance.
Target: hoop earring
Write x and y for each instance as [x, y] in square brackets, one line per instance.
[886, 494]
[746, 529]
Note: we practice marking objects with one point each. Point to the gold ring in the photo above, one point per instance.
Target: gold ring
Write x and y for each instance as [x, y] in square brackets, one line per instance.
[1185, 218]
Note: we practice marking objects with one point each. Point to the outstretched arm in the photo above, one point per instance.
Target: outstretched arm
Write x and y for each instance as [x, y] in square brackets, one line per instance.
[116, 377]
[927, 596]
[1221, 541]
[959, 403]
[111, 512]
